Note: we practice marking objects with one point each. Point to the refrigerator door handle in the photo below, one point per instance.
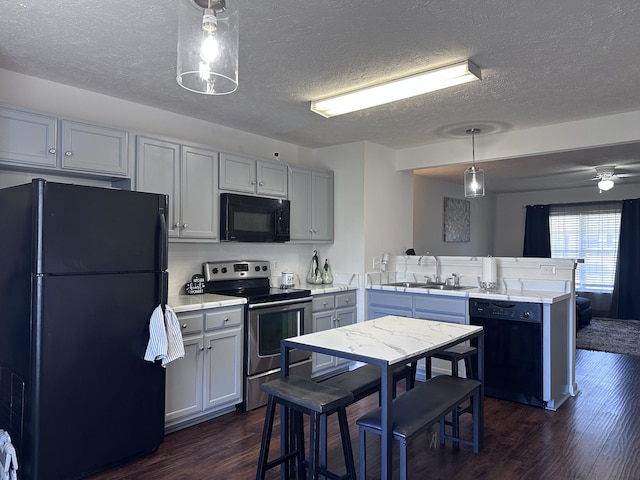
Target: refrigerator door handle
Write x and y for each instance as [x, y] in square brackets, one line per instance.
[164, 242]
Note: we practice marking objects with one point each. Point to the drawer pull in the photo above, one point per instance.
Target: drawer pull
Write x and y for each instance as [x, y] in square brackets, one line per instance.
[184, 325]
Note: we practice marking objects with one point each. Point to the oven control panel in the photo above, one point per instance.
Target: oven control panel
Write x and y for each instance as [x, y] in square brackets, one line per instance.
[236, 269]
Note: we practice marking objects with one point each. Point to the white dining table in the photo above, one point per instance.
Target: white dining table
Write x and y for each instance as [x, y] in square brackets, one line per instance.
[386, 342]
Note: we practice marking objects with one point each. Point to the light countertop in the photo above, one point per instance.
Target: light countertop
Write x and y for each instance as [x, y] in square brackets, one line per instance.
[504, 294]
[328, 288]
[189, 303]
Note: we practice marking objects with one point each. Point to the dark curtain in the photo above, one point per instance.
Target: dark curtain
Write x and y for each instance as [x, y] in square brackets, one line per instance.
[537, 236]
[625, 301]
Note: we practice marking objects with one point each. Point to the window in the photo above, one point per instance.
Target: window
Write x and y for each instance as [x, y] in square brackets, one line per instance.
[590, 232]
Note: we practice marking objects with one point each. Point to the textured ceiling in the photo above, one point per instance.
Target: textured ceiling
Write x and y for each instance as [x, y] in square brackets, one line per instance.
[542, 62]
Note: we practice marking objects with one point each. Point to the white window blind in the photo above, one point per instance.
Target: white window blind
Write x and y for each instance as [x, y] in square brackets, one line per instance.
[590, 232]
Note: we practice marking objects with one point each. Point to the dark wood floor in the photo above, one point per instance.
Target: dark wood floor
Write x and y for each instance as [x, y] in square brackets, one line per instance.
[595, 435]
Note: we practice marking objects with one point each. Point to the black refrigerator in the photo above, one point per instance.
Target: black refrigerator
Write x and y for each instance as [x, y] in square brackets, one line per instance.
[82, 270]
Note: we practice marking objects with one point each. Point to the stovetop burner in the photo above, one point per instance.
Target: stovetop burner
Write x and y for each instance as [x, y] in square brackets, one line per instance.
[248, 279]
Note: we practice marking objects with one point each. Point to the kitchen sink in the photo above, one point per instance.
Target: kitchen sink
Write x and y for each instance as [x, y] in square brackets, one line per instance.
[433, 286]
[405, 284]
[441, 286]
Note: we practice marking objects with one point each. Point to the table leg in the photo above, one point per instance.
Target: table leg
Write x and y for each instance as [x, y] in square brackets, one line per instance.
[386, 399]
[285, 431]
[481, 379]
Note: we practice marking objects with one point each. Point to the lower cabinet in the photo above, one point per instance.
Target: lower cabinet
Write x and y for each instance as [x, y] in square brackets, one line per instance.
[332, 310]
[209, 377]
[442, 308]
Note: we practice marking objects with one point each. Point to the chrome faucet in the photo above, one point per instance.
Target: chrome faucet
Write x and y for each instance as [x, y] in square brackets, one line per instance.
[436, 277]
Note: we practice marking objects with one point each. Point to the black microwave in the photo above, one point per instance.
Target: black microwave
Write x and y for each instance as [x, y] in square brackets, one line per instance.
[245, 218]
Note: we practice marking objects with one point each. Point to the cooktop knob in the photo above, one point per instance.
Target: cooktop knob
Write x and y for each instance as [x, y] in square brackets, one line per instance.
[224, 269]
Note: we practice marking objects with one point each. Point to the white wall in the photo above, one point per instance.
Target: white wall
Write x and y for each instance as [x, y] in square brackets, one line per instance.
[510, 210]
[428, 220]
[388, 205]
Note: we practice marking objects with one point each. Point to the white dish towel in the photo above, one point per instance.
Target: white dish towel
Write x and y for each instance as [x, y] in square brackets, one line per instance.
[165, 337]
[8, 461]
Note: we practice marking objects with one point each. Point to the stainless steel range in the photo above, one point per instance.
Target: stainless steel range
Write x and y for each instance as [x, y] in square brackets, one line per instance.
[271, 314]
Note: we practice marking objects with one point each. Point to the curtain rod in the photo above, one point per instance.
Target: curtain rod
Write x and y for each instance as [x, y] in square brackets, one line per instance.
[606, 202]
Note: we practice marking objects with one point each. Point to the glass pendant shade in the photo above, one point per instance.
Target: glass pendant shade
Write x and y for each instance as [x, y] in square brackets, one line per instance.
[474, 182]
[208, 46]
[605, 184]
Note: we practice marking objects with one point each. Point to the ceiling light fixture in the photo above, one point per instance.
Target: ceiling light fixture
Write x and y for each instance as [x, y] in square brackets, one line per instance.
[605, 175]
[394, 90]
[208, 46]
[473, 176]
[605, 184]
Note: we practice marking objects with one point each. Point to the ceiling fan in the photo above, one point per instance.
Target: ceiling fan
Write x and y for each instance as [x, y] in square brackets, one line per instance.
[605, 175]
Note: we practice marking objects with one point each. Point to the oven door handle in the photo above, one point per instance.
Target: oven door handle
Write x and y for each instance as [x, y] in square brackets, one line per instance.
[291, 301]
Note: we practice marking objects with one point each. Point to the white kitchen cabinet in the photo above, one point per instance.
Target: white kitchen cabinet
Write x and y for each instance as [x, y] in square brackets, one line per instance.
[331, 310]
[188, 175]
[88, 148]
[251, 176]
[30, 139]
[311, 195]
[208, 380]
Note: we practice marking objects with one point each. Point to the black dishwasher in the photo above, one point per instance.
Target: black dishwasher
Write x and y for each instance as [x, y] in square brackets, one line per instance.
[512, 349]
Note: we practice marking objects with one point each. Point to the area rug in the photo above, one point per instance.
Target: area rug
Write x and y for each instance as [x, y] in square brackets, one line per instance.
[608, 335]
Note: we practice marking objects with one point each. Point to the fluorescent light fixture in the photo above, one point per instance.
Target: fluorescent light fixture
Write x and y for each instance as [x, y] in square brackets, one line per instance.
[399, 89]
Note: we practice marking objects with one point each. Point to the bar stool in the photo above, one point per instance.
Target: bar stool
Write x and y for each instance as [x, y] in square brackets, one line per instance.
[454, 355]
[302, 396]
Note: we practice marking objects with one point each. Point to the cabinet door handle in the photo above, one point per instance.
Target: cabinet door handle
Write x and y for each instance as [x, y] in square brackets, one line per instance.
[177, 225]
[201, 348]
[67, 153]
[261, 183]
[185, 225]
[253, 182]
[184, 325]
[52, 151]
[209, 347]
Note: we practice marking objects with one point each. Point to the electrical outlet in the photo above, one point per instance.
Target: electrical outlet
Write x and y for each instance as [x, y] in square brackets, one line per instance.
[376, 262]
[548, 269]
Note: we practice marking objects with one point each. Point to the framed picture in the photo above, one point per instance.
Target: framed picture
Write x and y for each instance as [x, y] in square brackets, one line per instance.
[457, 225]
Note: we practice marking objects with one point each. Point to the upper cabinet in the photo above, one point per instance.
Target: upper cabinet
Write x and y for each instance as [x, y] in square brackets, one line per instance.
[311, 195]
[95, 149]
[188, 175]
[251, 176]
[30, 139]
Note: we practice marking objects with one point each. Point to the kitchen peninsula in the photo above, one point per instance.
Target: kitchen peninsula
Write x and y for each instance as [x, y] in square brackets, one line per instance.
[524, 286]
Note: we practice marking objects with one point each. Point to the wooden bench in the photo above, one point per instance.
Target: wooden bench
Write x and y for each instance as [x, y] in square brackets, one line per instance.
[420, 408]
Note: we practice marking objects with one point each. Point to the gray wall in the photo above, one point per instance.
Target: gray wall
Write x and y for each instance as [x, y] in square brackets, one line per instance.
[428, 220]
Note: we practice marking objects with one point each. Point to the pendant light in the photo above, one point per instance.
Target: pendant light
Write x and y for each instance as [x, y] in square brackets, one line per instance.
[208, 46]
[473, 176]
